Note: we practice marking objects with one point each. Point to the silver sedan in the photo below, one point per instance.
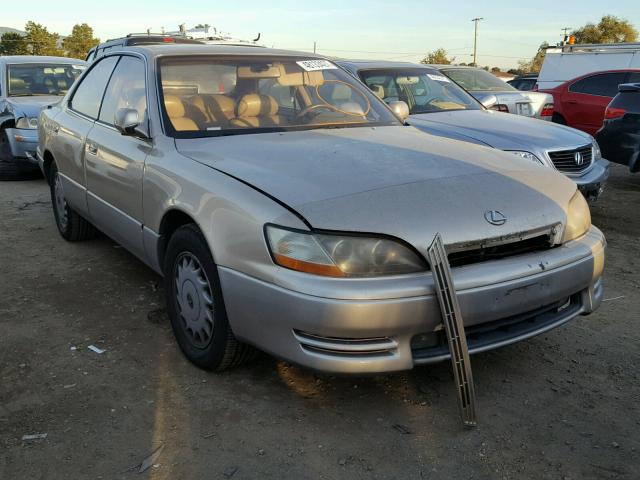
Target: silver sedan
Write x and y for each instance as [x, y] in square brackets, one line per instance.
[289, 209]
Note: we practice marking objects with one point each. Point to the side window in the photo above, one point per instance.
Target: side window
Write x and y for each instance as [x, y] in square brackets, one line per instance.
[88, 96]
[603, 85]
[126, 89]
[634, 77]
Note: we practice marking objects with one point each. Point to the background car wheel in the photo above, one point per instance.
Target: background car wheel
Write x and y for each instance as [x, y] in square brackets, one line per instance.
[557, 118]
[9, 169]
[196, 306]
[71, 226]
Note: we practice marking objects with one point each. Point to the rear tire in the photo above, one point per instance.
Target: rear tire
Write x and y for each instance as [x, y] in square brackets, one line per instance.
[196, 305]
[71, 226]
[557, 118]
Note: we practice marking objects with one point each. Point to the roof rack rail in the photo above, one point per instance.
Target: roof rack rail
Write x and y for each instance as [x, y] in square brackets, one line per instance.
[595, 47]
[152, 34]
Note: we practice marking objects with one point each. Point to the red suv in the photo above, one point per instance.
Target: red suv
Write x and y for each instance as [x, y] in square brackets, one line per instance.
[581, 102]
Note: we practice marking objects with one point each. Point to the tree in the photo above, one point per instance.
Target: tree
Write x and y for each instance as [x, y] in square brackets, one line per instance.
[610, 29]
[81, 40]
[40, 40]
[496, 70]
[437, 57]
[12, 43]
[535, 64]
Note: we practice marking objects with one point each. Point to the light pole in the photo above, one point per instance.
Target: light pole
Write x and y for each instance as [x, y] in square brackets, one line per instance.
[475, 40]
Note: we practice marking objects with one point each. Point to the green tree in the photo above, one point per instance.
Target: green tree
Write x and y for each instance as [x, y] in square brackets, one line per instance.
[81, 40]
[535, 64]
[12, 43]
[610, 29]
[40, 40]
[437, 57]
[495, 70]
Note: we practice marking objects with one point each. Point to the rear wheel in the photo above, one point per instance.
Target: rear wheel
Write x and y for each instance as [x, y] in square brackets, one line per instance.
[196, 306]
[71, 226]
[557, 118]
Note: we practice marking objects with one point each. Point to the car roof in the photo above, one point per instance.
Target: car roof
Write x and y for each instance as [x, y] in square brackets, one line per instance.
[204, 49]
[380, 64]
[40, 59]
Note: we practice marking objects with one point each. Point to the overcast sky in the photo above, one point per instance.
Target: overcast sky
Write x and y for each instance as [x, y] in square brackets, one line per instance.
[355, 29]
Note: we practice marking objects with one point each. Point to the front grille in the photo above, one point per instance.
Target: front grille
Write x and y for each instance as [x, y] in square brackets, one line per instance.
[485, 253]
[565, 160]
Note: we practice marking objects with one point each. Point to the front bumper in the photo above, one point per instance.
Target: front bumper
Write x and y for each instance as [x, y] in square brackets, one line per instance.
[23, 144]
[592, 183]
[382, 325]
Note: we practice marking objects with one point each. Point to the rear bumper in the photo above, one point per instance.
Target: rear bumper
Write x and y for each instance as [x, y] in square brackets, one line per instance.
[502, 302]
[23, 144]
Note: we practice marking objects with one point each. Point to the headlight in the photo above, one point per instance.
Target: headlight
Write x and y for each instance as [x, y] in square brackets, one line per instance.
[27, 123]
[526, 155]
[597, 154]
[578, 218]
[341, 255]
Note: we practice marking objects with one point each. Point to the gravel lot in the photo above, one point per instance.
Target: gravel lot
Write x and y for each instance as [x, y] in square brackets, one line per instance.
[562, 405]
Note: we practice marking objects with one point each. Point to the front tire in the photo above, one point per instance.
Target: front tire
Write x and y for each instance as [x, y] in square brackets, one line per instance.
[196, 306]
[71, 225]
[9, 168]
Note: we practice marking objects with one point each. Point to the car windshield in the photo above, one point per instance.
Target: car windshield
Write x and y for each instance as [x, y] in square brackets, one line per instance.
[208, 96]
[30, 79]
[476, 79]
[425, 91]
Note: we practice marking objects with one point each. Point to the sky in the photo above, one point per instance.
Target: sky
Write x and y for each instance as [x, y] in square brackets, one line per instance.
[408, 30]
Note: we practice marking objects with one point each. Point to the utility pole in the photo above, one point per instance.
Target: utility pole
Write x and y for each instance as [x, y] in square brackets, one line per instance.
[475, 40]
[314, 48]
[565, 30]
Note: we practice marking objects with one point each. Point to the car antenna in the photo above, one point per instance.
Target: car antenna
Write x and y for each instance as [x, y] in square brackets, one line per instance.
[454, 326]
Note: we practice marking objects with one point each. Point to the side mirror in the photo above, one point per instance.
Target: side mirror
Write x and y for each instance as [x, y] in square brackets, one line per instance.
[127, 121]
[400, 109]
[488, 100]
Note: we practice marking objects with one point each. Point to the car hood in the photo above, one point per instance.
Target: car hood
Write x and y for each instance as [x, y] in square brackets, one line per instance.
[392, 180]
[30, 106]
[500, 130]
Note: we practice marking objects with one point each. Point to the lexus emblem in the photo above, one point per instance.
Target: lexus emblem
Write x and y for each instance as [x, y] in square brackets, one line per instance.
[494, 217]
[579, 159]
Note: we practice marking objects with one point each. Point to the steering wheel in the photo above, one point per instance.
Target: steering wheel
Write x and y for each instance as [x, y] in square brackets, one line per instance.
[311, 108]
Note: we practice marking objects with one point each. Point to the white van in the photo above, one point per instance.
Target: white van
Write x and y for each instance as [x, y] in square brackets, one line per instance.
[571, 61]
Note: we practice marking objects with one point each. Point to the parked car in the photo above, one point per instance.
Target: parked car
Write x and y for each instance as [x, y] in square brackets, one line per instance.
[482, 85]
[28, 84]
[440, 107]
[288, 208]
[580, 102]
[525, 83]
[564, 63]
[137, 39]
[620, 133]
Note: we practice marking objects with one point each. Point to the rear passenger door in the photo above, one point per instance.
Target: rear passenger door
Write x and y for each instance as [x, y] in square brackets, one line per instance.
[586, 100]
[114, 162]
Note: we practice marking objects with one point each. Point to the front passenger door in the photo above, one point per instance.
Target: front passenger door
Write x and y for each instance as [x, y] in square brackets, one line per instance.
[115, 163]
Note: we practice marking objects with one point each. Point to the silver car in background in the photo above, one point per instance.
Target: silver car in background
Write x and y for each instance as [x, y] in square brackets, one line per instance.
[484, 87]
[27, 85]
[441, 107]
[289, 209]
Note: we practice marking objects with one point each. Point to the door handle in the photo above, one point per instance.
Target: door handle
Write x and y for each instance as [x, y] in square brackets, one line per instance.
[92, 149]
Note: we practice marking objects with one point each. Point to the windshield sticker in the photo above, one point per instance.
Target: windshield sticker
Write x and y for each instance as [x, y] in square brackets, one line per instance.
[316, 65]
[439, 78]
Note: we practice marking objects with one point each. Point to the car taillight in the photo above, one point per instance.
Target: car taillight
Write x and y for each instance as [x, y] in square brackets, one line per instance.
[168, 40]
[500, 107]
[547, 110]
[611, 112]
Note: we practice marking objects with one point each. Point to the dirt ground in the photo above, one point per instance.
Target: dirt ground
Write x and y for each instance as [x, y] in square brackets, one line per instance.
[564, 405]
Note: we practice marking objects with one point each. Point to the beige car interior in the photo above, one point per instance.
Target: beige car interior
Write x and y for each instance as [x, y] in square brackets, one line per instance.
[188, 111]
